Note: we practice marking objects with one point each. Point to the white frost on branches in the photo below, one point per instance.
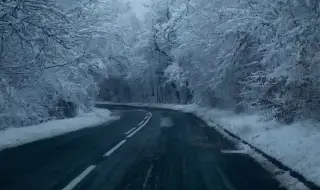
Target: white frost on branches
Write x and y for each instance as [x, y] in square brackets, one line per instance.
[51, 59]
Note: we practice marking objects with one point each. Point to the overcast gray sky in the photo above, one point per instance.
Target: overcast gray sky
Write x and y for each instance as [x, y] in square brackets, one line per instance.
[138, 7]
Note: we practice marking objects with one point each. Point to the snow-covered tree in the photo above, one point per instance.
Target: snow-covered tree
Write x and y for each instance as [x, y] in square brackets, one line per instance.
[244, 55]
[51, 58]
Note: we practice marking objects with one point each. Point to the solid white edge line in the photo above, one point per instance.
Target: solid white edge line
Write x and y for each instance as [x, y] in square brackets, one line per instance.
[115, 148]
[79, 178]
[128, 132]
[134, 132]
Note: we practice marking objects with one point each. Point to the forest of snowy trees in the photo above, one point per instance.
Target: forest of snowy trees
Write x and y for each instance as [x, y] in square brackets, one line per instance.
[52, 56]
[243, 55]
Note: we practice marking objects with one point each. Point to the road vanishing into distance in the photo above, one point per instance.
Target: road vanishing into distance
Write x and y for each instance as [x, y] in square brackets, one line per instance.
[147, 149]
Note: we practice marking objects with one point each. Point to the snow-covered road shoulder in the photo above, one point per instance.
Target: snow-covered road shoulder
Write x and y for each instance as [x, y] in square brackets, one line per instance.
[12, 137]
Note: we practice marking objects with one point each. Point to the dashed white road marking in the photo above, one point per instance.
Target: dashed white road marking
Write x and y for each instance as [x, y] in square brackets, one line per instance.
[89, 169]
[79, 178]
[115, 148]
[234, 152]
[140, 122]
[134, 132]
[128, 132]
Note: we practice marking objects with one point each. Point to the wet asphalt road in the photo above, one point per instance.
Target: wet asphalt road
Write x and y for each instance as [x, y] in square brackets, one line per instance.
[137, 152]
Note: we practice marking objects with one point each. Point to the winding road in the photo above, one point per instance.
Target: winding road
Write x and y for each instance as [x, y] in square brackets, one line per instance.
[147, 149]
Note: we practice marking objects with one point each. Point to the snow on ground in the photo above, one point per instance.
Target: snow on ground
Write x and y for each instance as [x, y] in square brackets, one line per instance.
[166, 122]
[12, 137]
[294, 145]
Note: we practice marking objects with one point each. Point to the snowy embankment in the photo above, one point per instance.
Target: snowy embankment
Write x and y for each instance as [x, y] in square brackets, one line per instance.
[295, 145]
[12, 137]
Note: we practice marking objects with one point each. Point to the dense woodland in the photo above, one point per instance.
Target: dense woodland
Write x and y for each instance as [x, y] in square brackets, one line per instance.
[243, 55]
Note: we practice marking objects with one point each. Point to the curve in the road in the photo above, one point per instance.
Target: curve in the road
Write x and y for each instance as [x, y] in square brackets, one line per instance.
[128, 134]
[173, 151]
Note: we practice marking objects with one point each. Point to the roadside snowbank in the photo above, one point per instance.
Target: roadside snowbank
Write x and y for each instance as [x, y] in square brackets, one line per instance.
[12, 137]
[295, 145]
